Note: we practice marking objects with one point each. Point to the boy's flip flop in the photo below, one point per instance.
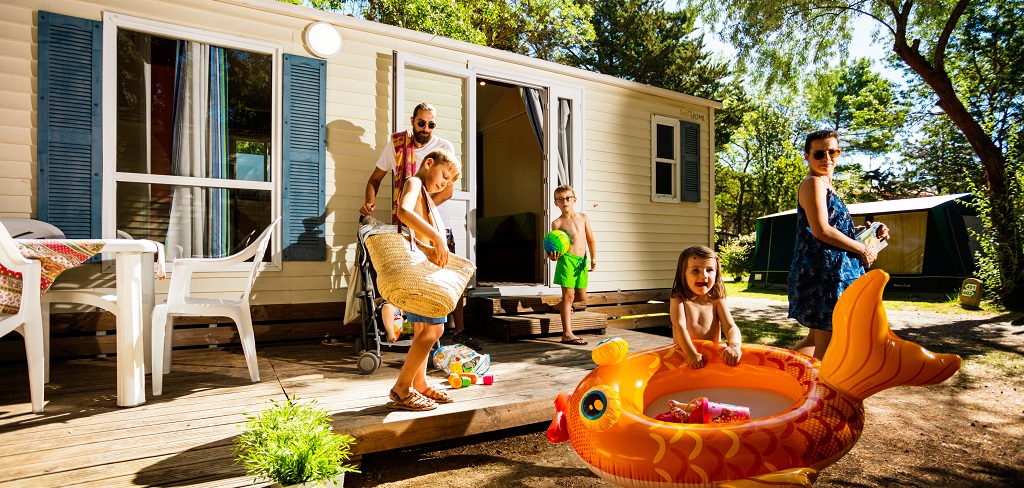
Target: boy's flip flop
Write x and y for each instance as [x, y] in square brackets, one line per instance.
[576, 342]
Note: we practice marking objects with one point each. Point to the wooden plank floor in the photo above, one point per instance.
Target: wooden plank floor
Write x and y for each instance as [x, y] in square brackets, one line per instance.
[184, 437]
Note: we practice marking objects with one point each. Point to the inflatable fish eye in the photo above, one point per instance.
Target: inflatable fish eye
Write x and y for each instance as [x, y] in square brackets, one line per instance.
[600, 408]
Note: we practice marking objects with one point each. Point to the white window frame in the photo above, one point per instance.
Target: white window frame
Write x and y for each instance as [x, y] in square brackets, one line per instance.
[676, 162]
[111, 177]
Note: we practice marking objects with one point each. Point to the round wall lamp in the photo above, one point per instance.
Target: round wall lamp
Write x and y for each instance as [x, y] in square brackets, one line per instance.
[322, 39]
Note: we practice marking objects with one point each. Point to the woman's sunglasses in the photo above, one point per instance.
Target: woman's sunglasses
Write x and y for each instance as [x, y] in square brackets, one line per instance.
[819, 154]
[422, 123]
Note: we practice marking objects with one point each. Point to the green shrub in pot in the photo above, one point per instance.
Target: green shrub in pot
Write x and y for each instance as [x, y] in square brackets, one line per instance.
[291, 443]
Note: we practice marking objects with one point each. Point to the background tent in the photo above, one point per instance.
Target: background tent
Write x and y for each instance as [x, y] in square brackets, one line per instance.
[931, 249]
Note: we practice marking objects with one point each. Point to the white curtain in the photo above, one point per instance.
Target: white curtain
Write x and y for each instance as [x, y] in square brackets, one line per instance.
[218, 156]
[564, 141]
[188, 153]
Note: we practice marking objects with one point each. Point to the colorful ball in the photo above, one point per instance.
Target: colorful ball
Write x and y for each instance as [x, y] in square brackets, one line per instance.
[556, 241]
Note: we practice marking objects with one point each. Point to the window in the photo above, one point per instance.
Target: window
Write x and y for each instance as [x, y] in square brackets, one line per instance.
[250, 131]
[664, 159]
[194, 147]
[675, 160]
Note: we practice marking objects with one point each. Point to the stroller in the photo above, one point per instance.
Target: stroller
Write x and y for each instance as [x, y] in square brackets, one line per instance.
[373, 336]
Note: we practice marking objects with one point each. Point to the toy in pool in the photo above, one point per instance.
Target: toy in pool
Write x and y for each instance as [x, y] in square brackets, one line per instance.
[605, 418]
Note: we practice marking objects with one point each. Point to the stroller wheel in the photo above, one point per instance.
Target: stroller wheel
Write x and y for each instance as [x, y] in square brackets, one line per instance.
[367, 363]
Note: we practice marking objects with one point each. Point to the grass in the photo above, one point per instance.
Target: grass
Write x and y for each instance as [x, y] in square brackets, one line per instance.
[1012, 365]
[948, 304]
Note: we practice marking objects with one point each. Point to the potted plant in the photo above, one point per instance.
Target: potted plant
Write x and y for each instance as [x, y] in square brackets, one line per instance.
[292, 444]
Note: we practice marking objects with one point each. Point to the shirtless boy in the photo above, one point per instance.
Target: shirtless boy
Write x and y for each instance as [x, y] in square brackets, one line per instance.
[571, 272]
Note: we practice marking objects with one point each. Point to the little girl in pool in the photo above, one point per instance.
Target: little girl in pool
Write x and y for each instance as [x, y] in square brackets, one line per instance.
[698, 308]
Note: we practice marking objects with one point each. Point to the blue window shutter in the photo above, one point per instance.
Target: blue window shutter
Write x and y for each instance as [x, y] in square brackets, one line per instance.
[304, 156]
[69, 126]
[690, 161]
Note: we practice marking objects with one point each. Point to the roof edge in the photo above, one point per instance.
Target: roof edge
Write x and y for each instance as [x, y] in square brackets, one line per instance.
[349, 22]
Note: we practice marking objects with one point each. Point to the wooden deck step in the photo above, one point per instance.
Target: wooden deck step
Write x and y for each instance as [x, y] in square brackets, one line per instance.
[511, 327]
[502, 305]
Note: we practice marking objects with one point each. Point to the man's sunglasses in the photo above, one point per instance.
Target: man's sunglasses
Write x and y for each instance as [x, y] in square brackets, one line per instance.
[566, 199]
[422, 123]
[819, 154]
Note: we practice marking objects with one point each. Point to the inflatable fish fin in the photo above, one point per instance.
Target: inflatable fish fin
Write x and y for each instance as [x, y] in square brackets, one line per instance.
[866, 357]
[796, 477]
[558, 432]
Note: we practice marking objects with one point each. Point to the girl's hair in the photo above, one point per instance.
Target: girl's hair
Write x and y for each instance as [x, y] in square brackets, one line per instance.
[817, 136]
[443, 157]
[679, 288]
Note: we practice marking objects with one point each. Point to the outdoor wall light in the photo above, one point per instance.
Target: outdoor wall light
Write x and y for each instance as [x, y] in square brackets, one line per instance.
[322, 39]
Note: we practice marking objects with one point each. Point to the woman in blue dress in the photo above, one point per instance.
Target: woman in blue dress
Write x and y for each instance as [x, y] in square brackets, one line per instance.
[826, 258]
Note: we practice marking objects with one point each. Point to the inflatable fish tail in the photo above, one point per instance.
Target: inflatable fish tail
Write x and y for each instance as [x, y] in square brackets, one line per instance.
[866, 357]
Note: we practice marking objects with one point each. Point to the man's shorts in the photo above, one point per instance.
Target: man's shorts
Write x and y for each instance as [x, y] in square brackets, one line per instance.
[571, 271]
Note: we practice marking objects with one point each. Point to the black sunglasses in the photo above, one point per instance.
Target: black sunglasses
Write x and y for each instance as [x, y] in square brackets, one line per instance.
[421, 123]
[820, 154]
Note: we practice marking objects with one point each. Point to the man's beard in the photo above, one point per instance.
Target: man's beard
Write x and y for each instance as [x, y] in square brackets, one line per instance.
[422, 137]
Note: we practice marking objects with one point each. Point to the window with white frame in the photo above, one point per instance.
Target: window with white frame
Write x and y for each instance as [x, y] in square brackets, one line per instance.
[675, 160]
[665, 158]
[195, 147]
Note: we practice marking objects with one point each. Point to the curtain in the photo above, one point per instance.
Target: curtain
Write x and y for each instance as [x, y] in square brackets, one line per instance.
[219, 225]
[564, 141]
[534, 112]
[188, 204]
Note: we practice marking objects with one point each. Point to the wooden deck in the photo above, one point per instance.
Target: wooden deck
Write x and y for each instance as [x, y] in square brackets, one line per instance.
[184, 437]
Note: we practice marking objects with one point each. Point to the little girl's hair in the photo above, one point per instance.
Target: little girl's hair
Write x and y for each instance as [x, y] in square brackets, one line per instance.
[443, 157]
[679, 288]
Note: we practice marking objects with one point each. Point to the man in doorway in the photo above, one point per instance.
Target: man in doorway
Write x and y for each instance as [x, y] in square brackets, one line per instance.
[403, 157]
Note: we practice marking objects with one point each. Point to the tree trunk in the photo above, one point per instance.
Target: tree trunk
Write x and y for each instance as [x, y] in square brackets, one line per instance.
[1009, 242]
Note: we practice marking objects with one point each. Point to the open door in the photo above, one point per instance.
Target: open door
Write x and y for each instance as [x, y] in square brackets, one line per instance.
[529, 140]
[565, 160]
[449, 88]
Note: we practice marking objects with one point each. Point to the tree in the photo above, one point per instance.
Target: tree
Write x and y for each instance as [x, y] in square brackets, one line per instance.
[545, 29]
[858, 102]
[758, 172]
[780, 37]
[639, 40]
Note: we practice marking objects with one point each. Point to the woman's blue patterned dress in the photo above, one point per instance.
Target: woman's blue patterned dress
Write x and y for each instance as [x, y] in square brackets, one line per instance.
[820, 272]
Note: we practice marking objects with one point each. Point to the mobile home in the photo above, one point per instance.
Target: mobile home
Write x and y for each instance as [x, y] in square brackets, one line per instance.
[196, 123]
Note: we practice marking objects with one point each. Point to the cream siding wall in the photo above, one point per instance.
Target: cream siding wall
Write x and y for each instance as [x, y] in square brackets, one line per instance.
[638, 241]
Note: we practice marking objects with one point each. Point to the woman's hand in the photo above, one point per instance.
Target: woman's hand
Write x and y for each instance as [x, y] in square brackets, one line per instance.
[868, 255]
[883, 232]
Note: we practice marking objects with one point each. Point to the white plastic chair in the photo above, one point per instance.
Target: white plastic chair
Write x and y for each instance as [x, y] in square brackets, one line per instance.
[181, 303]
[28, 321]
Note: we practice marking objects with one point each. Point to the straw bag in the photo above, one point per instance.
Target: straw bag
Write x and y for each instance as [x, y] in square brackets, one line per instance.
[407, 278]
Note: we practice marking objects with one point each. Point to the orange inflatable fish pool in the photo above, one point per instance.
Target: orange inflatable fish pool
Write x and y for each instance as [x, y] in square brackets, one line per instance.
[605, 419]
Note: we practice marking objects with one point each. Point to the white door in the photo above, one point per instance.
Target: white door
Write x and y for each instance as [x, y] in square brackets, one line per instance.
[564, 153]
[450, 89]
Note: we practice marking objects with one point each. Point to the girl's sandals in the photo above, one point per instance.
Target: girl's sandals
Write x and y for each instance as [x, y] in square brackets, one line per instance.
[438, 396]
[414, 401]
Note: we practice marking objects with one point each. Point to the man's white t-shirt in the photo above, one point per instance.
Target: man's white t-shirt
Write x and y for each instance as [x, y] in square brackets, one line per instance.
[386, 163]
